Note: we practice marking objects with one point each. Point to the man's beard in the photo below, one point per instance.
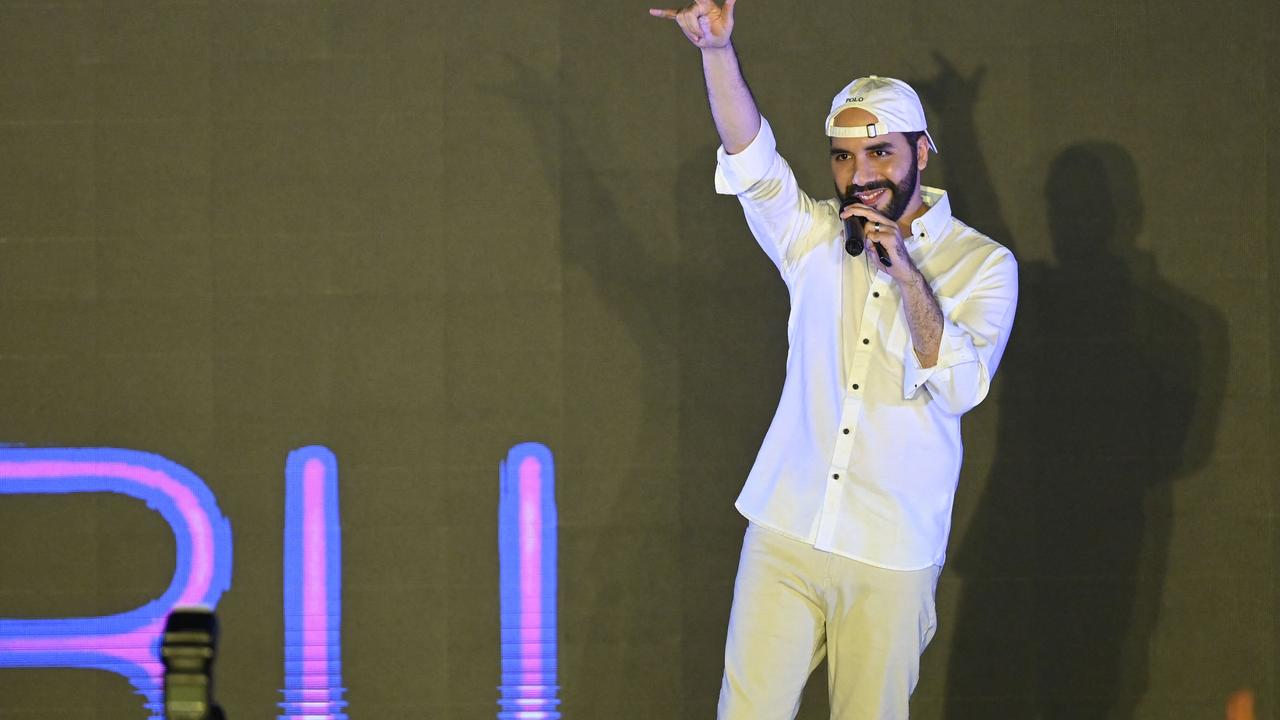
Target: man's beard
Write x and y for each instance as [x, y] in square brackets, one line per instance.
[899, 193]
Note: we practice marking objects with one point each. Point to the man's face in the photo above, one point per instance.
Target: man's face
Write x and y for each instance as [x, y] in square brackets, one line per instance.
[882, 172]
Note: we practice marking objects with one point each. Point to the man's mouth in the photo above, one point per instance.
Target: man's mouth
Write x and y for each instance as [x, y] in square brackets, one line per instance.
[871, 197]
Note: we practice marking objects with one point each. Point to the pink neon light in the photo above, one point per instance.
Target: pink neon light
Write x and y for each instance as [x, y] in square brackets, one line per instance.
[530, 524]
[132, 647]
[201, 531]
[315, 604]
[136, 646]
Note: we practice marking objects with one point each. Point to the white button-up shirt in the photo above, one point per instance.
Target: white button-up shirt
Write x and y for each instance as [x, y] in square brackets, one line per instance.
[863, 454]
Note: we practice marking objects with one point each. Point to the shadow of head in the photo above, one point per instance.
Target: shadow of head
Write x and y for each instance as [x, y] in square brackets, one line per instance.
[1095, 203]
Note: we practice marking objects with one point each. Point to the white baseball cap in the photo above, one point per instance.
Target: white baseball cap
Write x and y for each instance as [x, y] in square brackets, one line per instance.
[893, 102]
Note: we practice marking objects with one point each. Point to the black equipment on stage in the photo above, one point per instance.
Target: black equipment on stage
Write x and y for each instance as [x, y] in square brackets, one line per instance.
[188, 650]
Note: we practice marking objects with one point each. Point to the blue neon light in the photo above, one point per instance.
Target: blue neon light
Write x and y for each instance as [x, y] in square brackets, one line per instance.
[312, 588]
[126, 643]
[527, 558]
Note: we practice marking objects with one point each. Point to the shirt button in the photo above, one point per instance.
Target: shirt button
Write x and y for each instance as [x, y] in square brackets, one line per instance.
[855, 386]
[875, 294]
[835, 476]
[846, 431]
[865, 341]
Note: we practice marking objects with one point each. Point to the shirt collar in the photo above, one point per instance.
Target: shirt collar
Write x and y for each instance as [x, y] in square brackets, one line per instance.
[930, 226]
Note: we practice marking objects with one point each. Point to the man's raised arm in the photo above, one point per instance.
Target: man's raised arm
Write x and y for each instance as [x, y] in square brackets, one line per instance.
[708, 26]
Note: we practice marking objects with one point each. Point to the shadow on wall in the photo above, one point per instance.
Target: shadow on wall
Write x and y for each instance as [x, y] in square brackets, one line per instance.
[1110, 393]
[711, 336]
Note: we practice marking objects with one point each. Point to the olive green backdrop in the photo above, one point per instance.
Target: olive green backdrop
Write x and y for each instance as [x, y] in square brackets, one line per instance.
[421, 232]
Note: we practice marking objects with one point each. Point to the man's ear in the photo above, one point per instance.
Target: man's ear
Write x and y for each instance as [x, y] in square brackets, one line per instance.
[922, 152]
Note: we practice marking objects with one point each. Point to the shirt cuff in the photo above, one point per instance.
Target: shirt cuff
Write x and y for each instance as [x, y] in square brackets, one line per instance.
[955, 348]
[738, 172]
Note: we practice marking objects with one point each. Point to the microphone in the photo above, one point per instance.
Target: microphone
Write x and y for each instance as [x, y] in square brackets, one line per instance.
[853, 239]
[854, 242]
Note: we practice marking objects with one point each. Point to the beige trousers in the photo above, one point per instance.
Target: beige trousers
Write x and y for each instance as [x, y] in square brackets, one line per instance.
[793, 604]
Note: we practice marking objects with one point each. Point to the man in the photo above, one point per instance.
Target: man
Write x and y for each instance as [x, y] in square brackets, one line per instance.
[849, 500]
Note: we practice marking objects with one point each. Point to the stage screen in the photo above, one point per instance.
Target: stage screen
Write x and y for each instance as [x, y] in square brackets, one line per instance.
[414, 339]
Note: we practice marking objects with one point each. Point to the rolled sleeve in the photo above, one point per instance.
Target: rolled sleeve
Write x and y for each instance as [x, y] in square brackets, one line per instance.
[954, 349]
[781, 216]
[974, 335]
[736, 173]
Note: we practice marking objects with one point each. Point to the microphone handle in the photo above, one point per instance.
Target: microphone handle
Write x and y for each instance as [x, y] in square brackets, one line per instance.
[884, 256]
[853, 243]
[853, 237]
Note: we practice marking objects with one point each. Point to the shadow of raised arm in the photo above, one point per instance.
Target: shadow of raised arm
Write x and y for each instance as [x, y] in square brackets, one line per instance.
[593, 234]
[952, 99]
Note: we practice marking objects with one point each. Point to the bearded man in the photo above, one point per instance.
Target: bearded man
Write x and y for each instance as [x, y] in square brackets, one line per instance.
[849, 501]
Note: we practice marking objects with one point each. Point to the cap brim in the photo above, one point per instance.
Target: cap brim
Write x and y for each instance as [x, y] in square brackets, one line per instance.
[867, 131]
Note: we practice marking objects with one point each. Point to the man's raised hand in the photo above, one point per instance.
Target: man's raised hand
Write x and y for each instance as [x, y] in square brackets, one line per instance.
[706, 24]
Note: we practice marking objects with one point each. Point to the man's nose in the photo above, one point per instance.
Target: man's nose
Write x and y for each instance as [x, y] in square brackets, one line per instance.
[863, 173]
